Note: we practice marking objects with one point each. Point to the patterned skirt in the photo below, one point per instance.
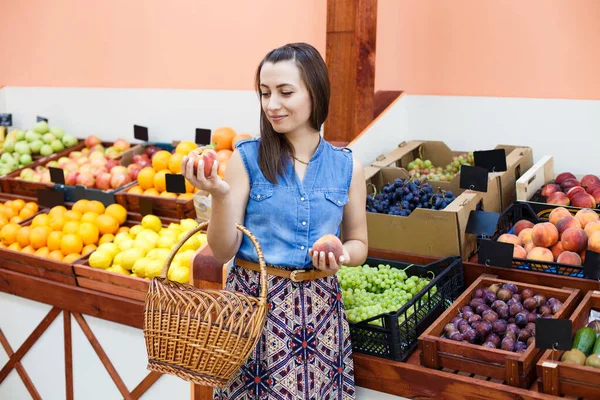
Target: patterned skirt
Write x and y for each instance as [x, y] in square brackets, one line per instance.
[304, 351]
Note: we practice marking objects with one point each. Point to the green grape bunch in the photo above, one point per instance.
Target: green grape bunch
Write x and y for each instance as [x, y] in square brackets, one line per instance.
[425, 169]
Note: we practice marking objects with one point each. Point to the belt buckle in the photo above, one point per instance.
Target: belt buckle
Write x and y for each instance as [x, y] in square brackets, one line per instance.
[293, 275]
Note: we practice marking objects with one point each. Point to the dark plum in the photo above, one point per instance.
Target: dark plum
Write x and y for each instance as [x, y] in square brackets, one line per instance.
[504, 294]
[456, 336]
[478, 293]
[511, 301]
[476, 302]
[490, 297]
[494, 338]
[474, 318]
[462, 323]
[482, 308]
[497, 304]
[508, 344]
[470, 335]
[489, 345]
[512, 328]
[517, 297]
[475, 324]
[551, 301]
[524, 334]
[531, 327]
[510, 320]
[540, 299]
[483, 329]
[499, 327]
[530, 304]
[512, 287]
[464, 328]
[464, 309]
[455, 320]
[490, 316]
[502, 312]
[511, 335]
[514, 309]
[449, 328]
[521, 319]
[467, 314]
[556, 306]
[545, 310]
[531, 317]
[526, 293]
[521, 347]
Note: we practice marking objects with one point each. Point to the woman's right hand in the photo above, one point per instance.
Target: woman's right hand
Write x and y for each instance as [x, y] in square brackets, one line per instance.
[213, 184]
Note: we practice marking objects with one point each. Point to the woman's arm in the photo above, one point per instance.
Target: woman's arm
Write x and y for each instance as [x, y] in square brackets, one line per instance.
[354, 226]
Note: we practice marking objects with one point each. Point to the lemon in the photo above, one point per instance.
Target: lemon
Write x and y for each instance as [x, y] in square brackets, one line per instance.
[143, 245]
[201, 238]
[129, 257]
[174, 227]
[188, 224]
[191, 244]
[152, 222]
[134, 230]
[118, 269]
[118, 259]
[139, 267]
[100, 259]
[111, 248]
[126, 244]
[184, 258]
[166, 242]
[153, 268]
[179, 274]
[158, 254]
[121, 237]
[148, 235]
[165, 232]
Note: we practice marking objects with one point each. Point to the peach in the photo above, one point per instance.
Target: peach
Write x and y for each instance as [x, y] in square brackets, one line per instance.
[586, 216]
[593, 187]
[528, 246]
[589, 180]
[583, 200]
[522, 224]
[544, 234]
[594, 242]
[509, 238]
[557, 214]
[568, 257]
[519, 252]
[208, 156]
[557, 249]
[550, 188]
[540, 254]
[567, 222]
[582, 255]
[559, 199]
[563, 177]
[574, 239]
[329, 243]
[592, 227]
[574, 191]
[525, 235]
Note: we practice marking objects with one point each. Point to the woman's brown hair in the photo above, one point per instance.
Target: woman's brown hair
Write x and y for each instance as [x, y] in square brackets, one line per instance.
[275, 149]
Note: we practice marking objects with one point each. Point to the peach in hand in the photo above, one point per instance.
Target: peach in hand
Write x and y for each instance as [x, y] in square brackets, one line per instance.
[329, 243]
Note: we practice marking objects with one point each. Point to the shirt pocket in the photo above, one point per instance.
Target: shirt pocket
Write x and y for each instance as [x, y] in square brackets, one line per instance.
[261, 192]
[340, 199]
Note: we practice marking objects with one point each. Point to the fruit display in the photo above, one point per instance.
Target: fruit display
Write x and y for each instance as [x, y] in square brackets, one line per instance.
[586, 346]
[564, 239]
[370, 291]
[501, 317]
[567, 190]
[20, 146]
[141, 250]
[425, 169]
[65, 234]
[94, 167]
[16, 211]
[403, 196]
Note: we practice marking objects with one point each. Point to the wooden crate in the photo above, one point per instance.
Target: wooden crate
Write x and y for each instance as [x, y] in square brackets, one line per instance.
[517, 369]
[161, 206]
[558, 378]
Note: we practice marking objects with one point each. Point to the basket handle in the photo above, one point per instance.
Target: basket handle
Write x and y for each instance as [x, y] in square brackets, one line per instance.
[261, 258]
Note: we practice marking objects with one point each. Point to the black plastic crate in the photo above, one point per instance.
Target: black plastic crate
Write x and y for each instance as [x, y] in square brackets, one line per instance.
[397, 337]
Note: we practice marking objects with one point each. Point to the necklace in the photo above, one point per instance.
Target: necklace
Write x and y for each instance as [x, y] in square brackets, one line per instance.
[302, 162]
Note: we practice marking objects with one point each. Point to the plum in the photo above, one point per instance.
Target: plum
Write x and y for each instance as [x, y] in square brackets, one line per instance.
[494, 338]
[499, 327]
[464, 309]
[508, 344]
[521, 319]
[512, 328]
[545, 310]
[511, 301]
[456, 336]
[476, 302]
[517, 297]
[524, 334]
[526, 293]
[482, 308]
[530, 304]
[461, 324]
[475, 324]
[455, 320]
[504, 294]
[489, 345]
[470, 335]
[483, 329]
[540, 299]
[467, 314]
[511, 335]
[474, 318]
[478, 294]
[497, 304]
[556, 306]
[490, 315]
[514, 309]
[531, 327]
[530, 341]
[489, 297]
[521, 347]
[512, 287]
[502, 312]
[450, 328]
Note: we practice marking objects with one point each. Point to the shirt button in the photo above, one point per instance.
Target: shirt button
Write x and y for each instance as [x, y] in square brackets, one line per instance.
[339, 202]
[301, 247]
[303, 222]
[258, 196]
[301, 198]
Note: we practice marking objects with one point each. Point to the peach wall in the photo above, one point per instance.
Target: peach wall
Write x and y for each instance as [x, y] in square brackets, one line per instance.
[194, 44]
[513, 48]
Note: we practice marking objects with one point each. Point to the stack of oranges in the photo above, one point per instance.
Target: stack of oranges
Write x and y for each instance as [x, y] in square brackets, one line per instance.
[66, 235]
[15, 211]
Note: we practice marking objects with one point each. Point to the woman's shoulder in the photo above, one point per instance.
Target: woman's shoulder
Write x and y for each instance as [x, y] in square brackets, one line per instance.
[342, 152]
[247, 143]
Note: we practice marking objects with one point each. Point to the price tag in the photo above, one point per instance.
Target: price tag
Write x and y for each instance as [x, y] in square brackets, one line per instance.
[497, 254]
[57, 175]
[175, 183]
[50, 198]
[145, 205]
[203, 136]
[591, 265]
[474, 178]
[39, 119]
[5, 119]
[482, 223]
[103, 197]
[552, 333]
[492, 160]
[140, 133]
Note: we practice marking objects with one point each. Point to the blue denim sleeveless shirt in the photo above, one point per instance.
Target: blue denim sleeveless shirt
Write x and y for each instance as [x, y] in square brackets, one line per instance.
[288, 217]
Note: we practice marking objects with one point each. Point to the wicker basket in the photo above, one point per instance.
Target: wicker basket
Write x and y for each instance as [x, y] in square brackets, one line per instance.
[202, 336]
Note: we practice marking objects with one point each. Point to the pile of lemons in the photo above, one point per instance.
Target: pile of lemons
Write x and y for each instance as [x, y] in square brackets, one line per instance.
[144, 248]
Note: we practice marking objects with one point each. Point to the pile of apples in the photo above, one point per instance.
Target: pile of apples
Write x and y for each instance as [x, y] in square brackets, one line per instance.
[94, 167]
[564, 239]
[567, 190]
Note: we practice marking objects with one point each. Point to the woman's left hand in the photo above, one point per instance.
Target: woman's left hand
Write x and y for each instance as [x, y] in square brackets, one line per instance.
[327, 262]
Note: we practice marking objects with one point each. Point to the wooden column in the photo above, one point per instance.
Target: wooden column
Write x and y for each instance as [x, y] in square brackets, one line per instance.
[350, 57]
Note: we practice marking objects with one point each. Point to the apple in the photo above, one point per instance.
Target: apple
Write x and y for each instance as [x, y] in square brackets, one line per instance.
[584, 200]
[592, 188]
[589, 180]
[71, 178]
[99, 163]
[549, 189]
[30, 136]
[97, 155]
[103, 181]
[57, 131]
[117, 169]
[45, 177]
[53, 164]
[112, 153]
[569, 183]
[69, 140]
[92, 141]
[596, 196]
[86, 169]
[559, 199]
[25, 159]
[57, 145]
[110, 164]
[86, 179]
[74, 155]
[46, 150]
[563, 177]
[22, 148]
[151, 150]
[574, 191]
[48, 138]
[36, 146]
[134, 170]
[82, 160]
[121, 145]
[41, 127]
[119, 179]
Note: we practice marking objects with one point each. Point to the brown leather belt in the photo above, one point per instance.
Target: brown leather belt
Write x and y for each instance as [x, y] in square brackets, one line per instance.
[297, 275]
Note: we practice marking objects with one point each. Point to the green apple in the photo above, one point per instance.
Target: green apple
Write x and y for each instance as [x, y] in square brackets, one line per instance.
[41, 127]
[22, 148]
[4, 171]
[46, 150]
[57, 131]
[57, 145]
[48, 138]
[30, 136]
[9, 145]
[69, 140]
[25, 159]
[35, 146]
[20, 135]
[5, 157]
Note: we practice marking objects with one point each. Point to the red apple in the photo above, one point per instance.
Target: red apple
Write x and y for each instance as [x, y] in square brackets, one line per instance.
[86, 179]
[85, 152]
[82, 160]
[121, 145]
[112, 163]
[151, 150]
[588, 180]
[563, 177]
[559, 199]
[119, 179]
[118, 169]
[92, 140]
[103, 181]
[569, 183]
[592, 188]
[71, 178]
[550, 188]
[584, 200]
[574, 191]
[133, 170]
[74, 155]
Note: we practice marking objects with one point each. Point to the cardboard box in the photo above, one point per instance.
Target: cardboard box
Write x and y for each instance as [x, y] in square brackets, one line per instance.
[436, 233]
[530, 184]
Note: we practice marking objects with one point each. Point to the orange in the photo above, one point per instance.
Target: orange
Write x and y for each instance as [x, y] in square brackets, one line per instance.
[8, 204]
[14, 247]
[32, 206]
[89, 216]
[2, 245]
[88, 233]
[18, 204]
[118, 212]
[9, 213]
[27, 212]
[3, 221]
[146, 178]
[16, 219]
[57, 210]
[107, 224]
[222, 137]
[40, 220]
[185, 196]
[23, 236]
[8, 233]
[39, 236]
[80, 205]
[106, 238]
[189, 188]
[71, 227]
[184, 147]
[160, 181]
[175, 163]
[54, 240]
[96, 207]
[222, 168]
[57, 222]
[73, 215]
[42, 252]
[151, 192]
[71, 244]
[224, 155]
[137, 189]
[28, 250]
[69, 258]
[239, 137]
[56, 255]
[169, 195]
[123, 229]
[160, 160]
[88, 249]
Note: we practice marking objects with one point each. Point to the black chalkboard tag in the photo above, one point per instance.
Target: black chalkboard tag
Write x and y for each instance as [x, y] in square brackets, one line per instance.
[482, 223]
[553, 333]
[57, 175]
[497, 254]
[50, 198]
[591, 265]
[145, 205]
[5, 119]
[175, 183]
[203, 136]
[39, 119]
[474, 178]
[140, 133]
[103, 197]
[492, 160]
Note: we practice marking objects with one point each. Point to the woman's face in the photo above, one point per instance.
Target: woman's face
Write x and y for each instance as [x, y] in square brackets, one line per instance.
[284, 97]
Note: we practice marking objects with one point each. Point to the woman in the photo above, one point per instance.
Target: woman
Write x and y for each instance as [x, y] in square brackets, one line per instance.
[289, 188]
